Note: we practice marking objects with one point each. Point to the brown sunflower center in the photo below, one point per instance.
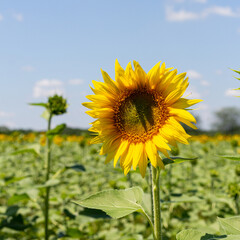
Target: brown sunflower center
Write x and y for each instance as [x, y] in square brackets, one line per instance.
[139, 114]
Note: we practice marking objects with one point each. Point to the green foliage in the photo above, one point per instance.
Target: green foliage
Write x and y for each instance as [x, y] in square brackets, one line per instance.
[229, 230]
[55, 131]
[188, 200]
[175, 160]
[116, 203]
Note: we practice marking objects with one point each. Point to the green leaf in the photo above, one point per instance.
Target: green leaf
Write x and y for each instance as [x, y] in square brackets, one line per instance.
[17, 198]
[236, 71]
[231, 157]
[39, 104]
[16, 222]
[174, 160]
[57, 130]
[33, 149]
[46, 114]
[116, 203]
[230, 225]
[74, 233]
[94, 213]
[52, 182]
[191, 234]
[12, 210]
[77, 167]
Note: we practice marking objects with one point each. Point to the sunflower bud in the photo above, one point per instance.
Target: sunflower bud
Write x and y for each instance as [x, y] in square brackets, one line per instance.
[57, 105]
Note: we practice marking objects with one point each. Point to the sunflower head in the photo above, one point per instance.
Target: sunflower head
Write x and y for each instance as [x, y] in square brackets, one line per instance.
[138, 114]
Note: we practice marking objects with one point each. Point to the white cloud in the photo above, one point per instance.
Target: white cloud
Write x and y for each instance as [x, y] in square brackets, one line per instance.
[1, 17]
[218, 10]
[179, 16]
[200, 1]
[204, 83]
[47, 87]
[28, 68]
[18, 17]
[183, 15]
[76, 81]
[232, 93]
[6, 114]
[193, 74]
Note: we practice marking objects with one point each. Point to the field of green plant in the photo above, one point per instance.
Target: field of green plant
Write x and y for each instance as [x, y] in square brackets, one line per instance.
[195, 194]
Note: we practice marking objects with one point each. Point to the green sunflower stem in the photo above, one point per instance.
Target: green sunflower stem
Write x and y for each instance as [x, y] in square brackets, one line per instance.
[48, 169]
[156, 203]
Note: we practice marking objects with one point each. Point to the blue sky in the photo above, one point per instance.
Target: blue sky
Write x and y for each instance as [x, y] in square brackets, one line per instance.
[60, 46]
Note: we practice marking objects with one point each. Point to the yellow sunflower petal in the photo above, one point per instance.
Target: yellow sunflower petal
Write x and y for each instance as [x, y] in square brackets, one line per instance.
[137, 152]
[143, 161]
[181, 113]
[151, 153]
[185, 103]
[122, 147]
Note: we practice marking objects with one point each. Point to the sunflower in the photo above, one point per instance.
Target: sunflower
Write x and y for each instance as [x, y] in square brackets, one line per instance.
[139, 114]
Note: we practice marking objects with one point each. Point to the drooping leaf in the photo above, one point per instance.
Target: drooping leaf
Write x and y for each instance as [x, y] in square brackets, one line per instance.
[12, 210]
[33, 149]
[69, 214]
[39, 104]
[116, 203]
[16, 222]
[231, 157]
[52, 182]
[94, 213]
[46, 114]
[230, 225]
[57, 130]
[191, 234]
[77, 167]
[175, 160]
[17, 198]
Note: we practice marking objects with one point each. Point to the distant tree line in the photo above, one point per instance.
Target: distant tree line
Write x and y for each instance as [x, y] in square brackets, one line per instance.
[66, 131]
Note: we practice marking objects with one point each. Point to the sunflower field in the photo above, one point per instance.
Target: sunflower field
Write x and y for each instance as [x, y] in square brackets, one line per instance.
[201, 194]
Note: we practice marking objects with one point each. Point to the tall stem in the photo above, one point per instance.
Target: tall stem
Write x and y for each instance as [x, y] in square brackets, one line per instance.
[156, 203]
[48, 169]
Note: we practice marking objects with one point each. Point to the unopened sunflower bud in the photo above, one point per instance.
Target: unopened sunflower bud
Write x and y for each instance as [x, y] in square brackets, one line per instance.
[57, 105]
